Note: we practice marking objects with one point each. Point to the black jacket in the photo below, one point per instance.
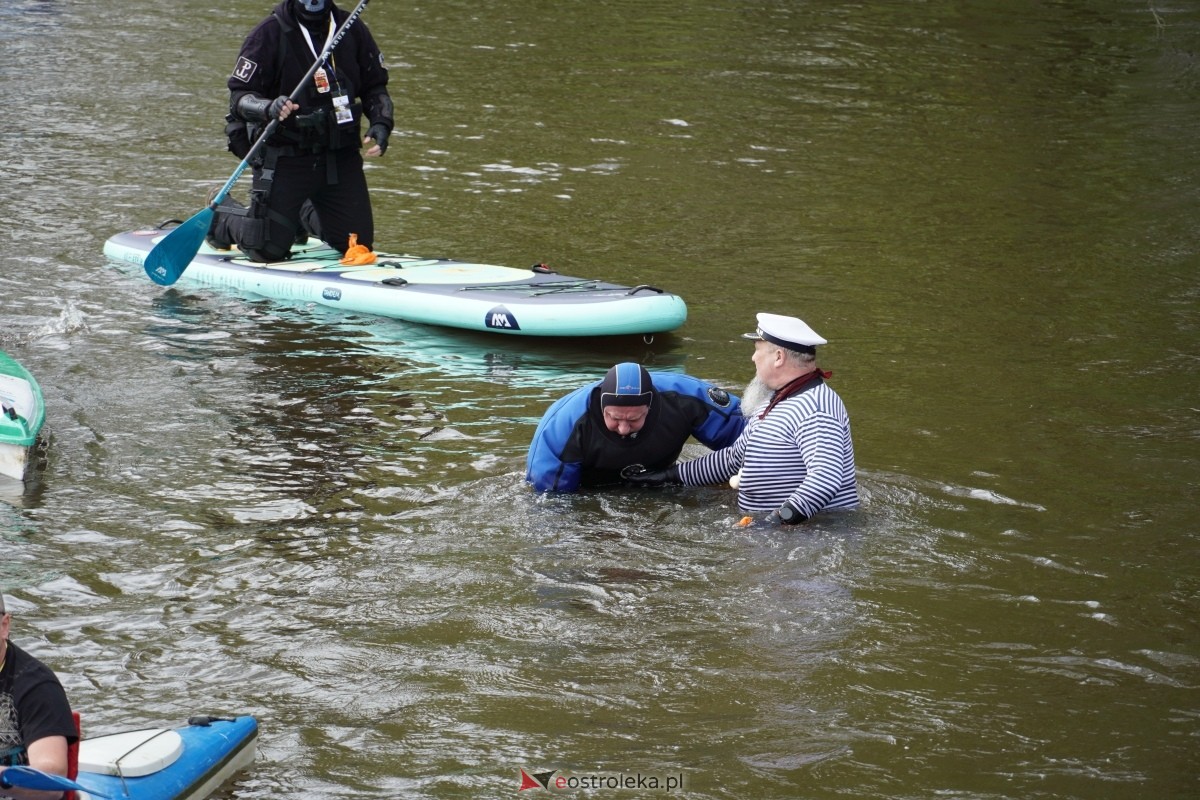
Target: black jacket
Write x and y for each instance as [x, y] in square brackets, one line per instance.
[274, 58]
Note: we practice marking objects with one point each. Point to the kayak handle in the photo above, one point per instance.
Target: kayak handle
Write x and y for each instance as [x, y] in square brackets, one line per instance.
[204, 720]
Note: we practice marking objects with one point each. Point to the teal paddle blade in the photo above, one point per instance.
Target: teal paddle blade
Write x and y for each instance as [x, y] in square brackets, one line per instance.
[36, 780]
[170, 257]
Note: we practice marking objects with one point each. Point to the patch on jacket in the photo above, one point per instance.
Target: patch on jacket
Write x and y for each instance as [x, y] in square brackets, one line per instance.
[244, 69]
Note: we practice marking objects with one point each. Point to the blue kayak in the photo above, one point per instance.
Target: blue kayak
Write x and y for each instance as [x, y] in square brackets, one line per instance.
[186, 763]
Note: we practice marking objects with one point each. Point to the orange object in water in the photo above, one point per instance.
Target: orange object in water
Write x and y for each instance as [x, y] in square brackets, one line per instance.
[357, 254]
[744, 522]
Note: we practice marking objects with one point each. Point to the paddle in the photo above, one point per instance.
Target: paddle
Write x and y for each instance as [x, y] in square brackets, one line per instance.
[171, 256]
[38, 781]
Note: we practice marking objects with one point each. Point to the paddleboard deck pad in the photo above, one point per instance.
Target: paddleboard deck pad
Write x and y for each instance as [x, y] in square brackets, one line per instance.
[434, 291]
[186, 763]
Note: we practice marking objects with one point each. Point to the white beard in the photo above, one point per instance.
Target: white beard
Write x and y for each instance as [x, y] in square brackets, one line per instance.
[756, 394]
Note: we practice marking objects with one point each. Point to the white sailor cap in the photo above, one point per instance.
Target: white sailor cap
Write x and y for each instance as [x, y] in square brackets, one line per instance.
[789, 332]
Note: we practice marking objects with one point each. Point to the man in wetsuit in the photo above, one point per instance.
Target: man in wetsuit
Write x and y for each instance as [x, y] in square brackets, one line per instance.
[315, 154]
[629, 421]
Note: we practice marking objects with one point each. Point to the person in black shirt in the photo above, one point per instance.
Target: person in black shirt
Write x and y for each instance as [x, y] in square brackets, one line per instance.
[36, 724]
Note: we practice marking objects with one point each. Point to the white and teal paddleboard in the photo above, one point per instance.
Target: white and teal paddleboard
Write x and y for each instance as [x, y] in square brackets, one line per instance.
[458, 294]
[22, 412]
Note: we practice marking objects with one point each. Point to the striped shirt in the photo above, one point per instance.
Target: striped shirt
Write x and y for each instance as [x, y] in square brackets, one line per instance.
[801, 453]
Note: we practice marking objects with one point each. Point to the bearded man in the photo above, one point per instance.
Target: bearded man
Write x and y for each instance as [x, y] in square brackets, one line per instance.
[795, 457]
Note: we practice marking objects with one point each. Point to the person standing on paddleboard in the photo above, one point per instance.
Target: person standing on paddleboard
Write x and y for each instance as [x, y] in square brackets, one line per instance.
[36, 725]
[629, 421]
[309, 175]
[795, 458]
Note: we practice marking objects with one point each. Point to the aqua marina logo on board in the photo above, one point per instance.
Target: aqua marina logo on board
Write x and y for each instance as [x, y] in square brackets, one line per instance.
[501, 317]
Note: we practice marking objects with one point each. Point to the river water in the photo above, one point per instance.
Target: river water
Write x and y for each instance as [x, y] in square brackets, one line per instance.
[988, 208]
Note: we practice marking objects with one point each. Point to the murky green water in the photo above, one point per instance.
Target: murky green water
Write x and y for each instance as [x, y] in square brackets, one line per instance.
[989, 209]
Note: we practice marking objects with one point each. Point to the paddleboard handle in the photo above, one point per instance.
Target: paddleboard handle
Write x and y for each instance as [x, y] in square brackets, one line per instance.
[646, 286]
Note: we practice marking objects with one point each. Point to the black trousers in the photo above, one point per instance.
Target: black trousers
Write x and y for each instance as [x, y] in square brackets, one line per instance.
[332, 180]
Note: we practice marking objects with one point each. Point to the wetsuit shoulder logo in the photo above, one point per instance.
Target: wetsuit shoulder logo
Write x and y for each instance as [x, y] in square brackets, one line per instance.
[718, 396]
[244, 69]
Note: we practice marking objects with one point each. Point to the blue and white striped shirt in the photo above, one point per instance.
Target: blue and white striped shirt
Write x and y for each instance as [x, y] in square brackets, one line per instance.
[801, 453]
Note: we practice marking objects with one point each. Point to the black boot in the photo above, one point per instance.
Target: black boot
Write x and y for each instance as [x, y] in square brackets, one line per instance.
[218, 237]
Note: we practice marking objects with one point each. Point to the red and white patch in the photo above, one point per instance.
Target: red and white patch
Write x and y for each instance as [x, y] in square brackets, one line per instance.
[244, 69]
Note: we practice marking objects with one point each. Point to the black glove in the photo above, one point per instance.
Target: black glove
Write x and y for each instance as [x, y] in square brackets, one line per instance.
[788, 514]
[276, 106]
[638, 475]
[380, 133]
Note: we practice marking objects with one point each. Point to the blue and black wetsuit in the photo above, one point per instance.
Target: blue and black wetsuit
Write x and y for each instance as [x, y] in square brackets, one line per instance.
[572, 448]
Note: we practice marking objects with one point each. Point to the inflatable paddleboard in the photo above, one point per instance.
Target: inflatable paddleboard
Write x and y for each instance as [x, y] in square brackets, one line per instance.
[436, 291]
[186, 763]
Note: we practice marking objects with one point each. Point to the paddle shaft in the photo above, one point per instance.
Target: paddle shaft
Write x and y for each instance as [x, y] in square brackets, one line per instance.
[274, 123]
